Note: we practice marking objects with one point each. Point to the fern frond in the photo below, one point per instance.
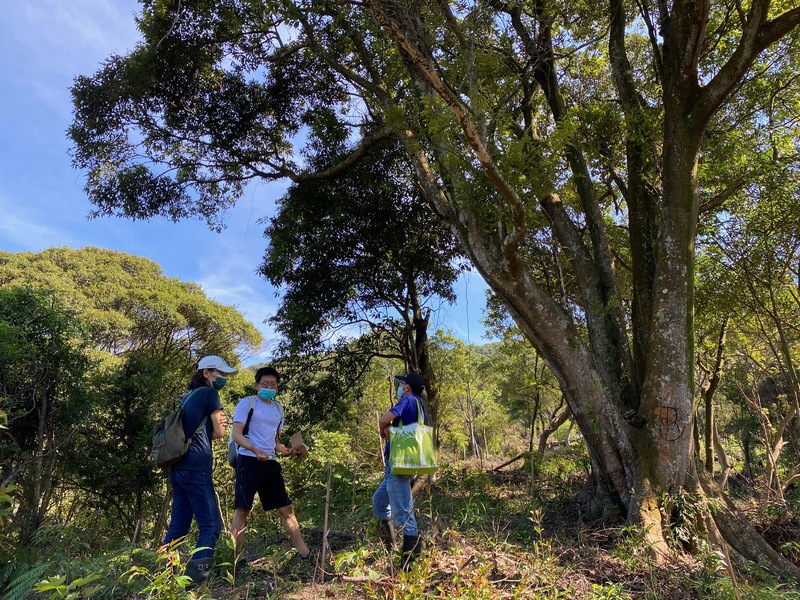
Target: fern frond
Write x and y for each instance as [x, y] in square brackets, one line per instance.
[7, 572]
[21, 586]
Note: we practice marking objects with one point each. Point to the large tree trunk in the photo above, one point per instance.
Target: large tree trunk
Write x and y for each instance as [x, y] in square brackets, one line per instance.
[635, 409]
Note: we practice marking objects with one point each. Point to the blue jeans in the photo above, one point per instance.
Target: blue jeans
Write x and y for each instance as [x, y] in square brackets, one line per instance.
[392, 500]
[193, 495]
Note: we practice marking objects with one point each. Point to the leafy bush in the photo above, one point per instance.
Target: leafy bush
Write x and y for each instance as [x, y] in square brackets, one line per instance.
[350, 475]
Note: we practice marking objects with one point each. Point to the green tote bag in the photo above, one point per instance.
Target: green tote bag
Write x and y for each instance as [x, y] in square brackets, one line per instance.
[411, 449]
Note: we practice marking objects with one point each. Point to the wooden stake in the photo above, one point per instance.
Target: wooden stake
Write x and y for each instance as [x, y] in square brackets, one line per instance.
[325, 524]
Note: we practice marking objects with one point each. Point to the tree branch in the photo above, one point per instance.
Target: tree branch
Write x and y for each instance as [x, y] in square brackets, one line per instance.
[757, 34]
[430, 77]
[366, 144]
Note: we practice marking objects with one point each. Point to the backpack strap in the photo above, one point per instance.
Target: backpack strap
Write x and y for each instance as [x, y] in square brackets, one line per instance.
[246, 428]
[184, 401]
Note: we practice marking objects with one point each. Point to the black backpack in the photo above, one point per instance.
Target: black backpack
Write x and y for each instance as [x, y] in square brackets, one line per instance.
[169, 440]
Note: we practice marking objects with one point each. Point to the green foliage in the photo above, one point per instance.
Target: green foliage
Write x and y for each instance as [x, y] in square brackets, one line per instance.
[77, 588]
[44, 377]
[354, 249]
[355, 562]
[608, 591]
[360, 259]
[575, 170]
[6, 499]
[17, 579]
[474, 413]
[507, 545]
[685, 511]
[165, 581]
[96, 347]
[319, 385]
[631, 547]
[127, 303]
[6, 503]
[350, 476]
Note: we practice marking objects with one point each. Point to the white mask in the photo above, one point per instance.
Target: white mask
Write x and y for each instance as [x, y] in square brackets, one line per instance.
[400, 391]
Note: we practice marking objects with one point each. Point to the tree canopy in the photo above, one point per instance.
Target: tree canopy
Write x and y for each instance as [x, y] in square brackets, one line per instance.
[359, 260]
[573, 149]
[95, 346]
[128, 303]
[360, 250]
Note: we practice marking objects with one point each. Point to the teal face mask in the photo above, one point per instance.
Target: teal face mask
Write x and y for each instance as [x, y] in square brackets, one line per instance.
[400, 391]
[266, 394]
[219, 382]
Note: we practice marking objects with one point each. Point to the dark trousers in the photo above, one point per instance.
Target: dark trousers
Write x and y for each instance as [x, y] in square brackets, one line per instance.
[193, 496]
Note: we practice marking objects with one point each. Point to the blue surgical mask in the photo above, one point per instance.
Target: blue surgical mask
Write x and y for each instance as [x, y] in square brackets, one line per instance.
[266, 394]
[219, 382]
[400, 391]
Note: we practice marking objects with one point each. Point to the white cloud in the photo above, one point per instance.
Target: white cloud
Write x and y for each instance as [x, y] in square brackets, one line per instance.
[23, 233]
[80, 31]
[53, 41]
[230, 287]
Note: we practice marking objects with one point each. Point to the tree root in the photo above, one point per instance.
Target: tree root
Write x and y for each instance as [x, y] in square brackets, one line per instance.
[740, 534]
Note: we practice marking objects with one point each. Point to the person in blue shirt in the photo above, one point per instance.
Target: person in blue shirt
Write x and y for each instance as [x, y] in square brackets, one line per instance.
[193, 494]
[392, 503]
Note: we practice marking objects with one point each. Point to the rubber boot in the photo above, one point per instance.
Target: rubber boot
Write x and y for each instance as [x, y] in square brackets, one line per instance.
[412, 546]
[199, 570]
[387, 535]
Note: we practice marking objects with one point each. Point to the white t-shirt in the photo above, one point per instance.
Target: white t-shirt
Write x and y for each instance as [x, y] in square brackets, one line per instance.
[266, 422]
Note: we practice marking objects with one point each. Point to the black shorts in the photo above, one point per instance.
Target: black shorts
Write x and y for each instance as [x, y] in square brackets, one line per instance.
[262, 477]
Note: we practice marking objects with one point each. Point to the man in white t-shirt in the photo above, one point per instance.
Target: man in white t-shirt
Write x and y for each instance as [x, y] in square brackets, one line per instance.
[257, 470]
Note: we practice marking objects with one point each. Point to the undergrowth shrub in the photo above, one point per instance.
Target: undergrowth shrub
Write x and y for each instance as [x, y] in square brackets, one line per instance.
[17, 579]
[351, 479]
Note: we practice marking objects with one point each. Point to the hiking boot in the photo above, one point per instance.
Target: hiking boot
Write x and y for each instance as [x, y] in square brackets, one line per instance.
[412, 546]
[199, 570]
[387, 534]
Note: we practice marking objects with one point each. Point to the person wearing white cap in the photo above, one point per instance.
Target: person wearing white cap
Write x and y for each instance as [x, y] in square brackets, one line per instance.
[193, 492]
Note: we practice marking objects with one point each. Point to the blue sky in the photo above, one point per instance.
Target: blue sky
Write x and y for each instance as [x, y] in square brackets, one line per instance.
[45, 44]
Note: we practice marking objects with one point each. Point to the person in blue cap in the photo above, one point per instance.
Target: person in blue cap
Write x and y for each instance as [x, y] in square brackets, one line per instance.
[392, 503]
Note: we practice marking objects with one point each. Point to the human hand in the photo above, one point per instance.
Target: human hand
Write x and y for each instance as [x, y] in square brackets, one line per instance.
[260, 454]
[300, 451]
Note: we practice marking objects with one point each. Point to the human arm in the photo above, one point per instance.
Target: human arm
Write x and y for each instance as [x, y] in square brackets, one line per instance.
[240, 440]
[219, 424]
[384, 422]
[280, 447]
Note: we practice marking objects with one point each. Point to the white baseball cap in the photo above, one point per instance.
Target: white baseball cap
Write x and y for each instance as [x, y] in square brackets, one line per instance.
[216, 362]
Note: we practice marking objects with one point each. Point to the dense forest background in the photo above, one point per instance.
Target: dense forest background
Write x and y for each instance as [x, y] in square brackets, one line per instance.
[97, 345]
